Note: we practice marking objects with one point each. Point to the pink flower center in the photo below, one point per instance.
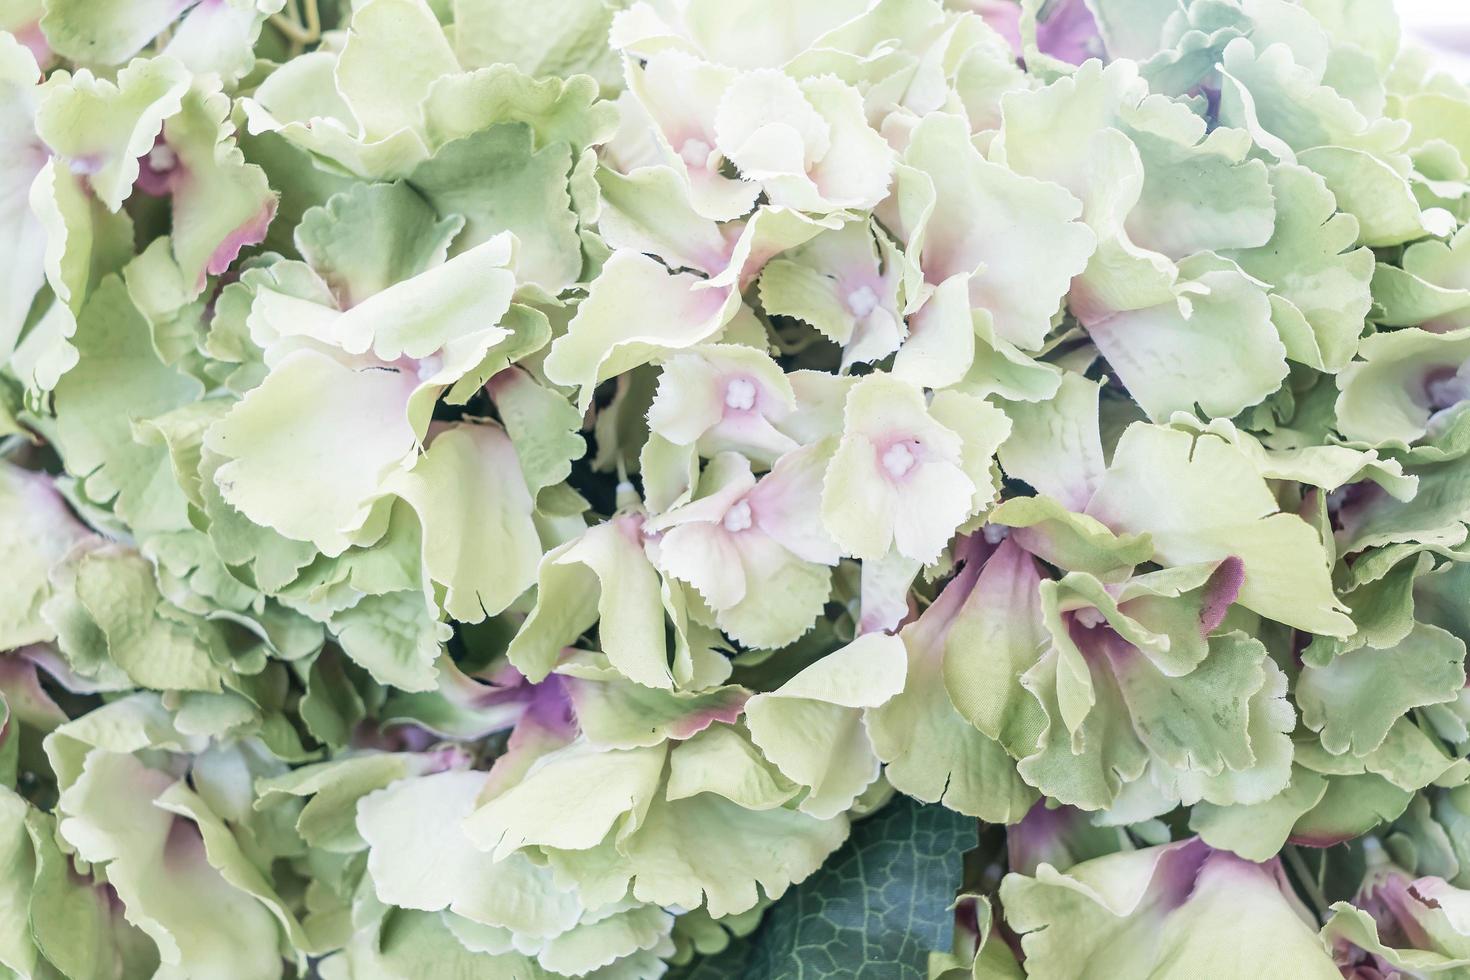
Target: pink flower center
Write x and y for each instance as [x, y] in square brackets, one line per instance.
[898, 459]
[862, 301]
[737, 518]
[695, 152]
[162, 157]
[740, 394]
[1090, 617]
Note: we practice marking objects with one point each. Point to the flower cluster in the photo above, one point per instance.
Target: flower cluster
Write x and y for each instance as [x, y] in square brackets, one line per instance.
[518, 490]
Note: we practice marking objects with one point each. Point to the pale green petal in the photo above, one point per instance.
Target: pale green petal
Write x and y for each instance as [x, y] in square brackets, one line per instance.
[788, 601]
[1218, 506]
[982, 428]
[1384, 394]
[1286, 110]
[1198, 721]
[646, 211]
[39, 530]
[83, 243]
[1369, 190]
[1055, 444]
[542, 426]
[559, 110]
[899, 475]
[300, 101]
[472, 502]
[221, 37]
[1354, 699]
[571, 799]
[725, 762]
[394, 51]
[1318, 280]
[309, 449]
[499, 181]
[156, 645]
[103, 127]
[25, 243]
[603, 577]
[1005, 229]
[1218, 349]
[18, 951]
[226, 855]
[634, 310]
[394, 636]
[602, 947]
[1237, 916]
[1258, 831]
[370, 236]
[120, 378]
[156, 861]
[931, 751]
[1072, 541]
[708, 850]
[328, 819]
[1200, 196]
[857, 504]
[940, 348]
[567, 37]
[76, 924]
[104, 32]
[220, 203]
[420, 858]
[1270, 724]
[811, 726]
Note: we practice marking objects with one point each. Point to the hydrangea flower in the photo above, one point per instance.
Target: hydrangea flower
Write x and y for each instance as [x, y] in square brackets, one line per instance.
[668, 488]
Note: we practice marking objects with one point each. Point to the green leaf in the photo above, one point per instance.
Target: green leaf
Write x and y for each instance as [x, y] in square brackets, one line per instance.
[873, 912]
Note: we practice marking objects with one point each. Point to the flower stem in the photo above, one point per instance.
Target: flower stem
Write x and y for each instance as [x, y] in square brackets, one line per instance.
[1306, 879]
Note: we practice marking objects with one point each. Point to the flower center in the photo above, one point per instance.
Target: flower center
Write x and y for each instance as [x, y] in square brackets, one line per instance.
[695, 152]
[898, 459]
[740, 394]
[737, 518]
[1445, 390]
[862, 301]
[429, 366]
[162, 157]
[1090, 618]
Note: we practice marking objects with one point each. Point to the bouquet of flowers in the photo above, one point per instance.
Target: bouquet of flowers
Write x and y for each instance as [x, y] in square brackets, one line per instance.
[732, 489]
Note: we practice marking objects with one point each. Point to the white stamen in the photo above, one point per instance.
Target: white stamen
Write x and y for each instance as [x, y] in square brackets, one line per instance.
[898, 459]
[1090, 618]
[994, 533]
[740, 394]
[695, 152]
[162, 157]
[862, 301]
[429, 366]
[737, 518]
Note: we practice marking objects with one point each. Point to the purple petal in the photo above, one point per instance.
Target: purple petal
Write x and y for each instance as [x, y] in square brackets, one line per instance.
[1220, 592]
[252, 232]
[1070, 33]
